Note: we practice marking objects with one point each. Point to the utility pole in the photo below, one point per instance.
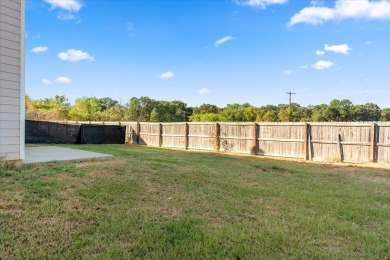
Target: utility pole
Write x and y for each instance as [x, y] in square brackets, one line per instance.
[289, 97]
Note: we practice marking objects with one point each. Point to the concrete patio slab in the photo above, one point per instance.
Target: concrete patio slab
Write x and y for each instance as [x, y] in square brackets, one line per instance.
[55, 153]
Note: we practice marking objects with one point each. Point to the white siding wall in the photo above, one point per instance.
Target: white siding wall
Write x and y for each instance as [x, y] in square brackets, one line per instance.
[12, 79]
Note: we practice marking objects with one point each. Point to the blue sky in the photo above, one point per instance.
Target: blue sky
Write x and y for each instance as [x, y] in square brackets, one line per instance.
[219, 52]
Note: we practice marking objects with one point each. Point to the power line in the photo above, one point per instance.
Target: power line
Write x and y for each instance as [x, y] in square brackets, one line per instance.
[289, 96]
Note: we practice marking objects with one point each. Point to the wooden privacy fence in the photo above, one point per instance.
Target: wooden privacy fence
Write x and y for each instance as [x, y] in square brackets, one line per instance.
[348, 142]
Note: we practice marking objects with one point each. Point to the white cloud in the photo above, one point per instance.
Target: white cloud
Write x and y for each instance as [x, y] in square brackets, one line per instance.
[343, 9]
[166, 75]
[68, 5]
[223, 40]
[321, 65]
[302, 67]
[287, 72]
[68, 17]
[342, 48]
[203, 91]
[368, 43]
[260, 3]
[317, 2]
[46, 82]
[39, 49]
[312, 15]
[75, 56]
[63, 80]
[320, 53]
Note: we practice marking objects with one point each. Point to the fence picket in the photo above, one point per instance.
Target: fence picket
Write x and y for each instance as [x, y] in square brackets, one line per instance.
[351, 142]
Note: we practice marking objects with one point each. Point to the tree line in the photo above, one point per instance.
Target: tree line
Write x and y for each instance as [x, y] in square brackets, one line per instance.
[145, 109]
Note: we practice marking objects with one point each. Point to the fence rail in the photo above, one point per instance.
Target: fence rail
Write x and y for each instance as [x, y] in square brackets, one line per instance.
[348, 142]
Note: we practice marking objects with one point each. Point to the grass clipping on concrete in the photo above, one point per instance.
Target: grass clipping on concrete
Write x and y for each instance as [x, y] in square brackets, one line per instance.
[157, 203]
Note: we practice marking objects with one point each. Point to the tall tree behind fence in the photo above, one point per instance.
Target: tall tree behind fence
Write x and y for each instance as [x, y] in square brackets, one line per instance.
[348, 142]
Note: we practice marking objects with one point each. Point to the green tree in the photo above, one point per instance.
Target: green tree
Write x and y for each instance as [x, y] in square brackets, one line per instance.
[58, 102]
[320, 113]
[249, 114]
[303, 114]
[284, 113]
[294, 113]
[238, 113]
[209, 117]
[145, 109]
[189, 111]
[56, 108]
[30, 108]
[85, 109]
[165, 111]
[107, 103]
[115, 113]
[385, 114]
[267, 113]
[367, 112]
[140, 109]
[206, 109]
[340, 110]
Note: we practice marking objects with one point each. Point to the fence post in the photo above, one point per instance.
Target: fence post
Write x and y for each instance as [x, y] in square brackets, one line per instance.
[187, 130]
[305, 141]
[128, 134]
[138, 132]
[310, 150]
[217, 144]
[159, 134]
[255, 141]
[372, 142]
[339, 148]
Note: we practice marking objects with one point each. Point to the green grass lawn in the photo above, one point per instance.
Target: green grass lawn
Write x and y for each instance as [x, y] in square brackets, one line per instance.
[158, 203]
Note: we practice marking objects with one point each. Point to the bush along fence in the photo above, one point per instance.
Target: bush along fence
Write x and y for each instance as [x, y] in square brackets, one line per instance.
[357, 142]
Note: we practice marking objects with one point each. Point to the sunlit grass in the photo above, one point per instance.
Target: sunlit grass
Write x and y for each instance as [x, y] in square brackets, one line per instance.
[158, 203]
